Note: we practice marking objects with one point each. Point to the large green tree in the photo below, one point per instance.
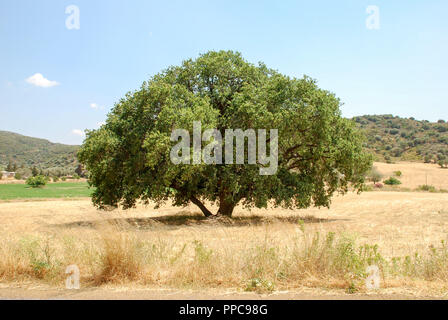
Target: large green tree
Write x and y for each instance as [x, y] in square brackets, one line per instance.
[319, 152]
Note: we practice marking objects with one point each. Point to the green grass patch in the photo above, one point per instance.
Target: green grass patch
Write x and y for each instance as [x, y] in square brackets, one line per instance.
[51, 190]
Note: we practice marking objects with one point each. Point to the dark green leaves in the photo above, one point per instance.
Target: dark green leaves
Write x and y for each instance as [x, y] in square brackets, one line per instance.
[319, 152]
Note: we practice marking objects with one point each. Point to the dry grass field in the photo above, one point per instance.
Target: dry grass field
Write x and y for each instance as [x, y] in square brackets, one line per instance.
[416, 174]
[294, 254]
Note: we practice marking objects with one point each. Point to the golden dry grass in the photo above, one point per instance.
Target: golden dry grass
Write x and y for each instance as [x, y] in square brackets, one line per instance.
[11, 181]
[261, 250]
[177, 248]
[416, 174]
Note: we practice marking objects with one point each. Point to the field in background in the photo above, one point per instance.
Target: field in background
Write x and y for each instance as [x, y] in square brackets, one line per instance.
[415, 174]
[12, 191]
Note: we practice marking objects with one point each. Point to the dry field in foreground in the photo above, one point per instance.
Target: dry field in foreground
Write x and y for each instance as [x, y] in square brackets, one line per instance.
[274, 250]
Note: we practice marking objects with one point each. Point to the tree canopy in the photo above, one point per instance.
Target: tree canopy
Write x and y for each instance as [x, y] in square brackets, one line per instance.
[319, 151]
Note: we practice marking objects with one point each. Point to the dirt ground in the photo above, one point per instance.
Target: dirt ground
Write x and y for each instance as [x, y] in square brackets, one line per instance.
[152, 294]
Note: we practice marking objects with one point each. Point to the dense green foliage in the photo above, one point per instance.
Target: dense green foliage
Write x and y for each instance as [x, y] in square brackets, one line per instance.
[26, 152]
[36, 182]
[393, 138]
[392, 181]
[320, 152]
[51, 190]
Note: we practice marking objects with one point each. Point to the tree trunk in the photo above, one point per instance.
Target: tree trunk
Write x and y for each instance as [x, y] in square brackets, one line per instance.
[204, 210]
[225, 208]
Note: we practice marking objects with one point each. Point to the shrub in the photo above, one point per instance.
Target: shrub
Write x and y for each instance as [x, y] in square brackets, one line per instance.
[394, 131]
[443, 163]
[396, 152]
[37, 181]
[392, 181]
[398, 173]
[259, 285]
[55, 179]
[18, 176]
[441, 128]
[374, 175]
[379, 185]
[428, 159]
[427, 187]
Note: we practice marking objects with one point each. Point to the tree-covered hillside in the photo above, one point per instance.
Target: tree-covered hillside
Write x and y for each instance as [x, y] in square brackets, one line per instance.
[399, 139]
[30, 152]
[389, 138]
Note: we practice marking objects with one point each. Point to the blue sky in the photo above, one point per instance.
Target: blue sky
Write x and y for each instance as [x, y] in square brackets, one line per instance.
[400, 68]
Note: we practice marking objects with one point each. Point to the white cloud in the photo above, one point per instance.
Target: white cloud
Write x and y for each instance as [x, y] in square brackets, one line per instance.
[78, 132]
[94, 105]
[40, 81]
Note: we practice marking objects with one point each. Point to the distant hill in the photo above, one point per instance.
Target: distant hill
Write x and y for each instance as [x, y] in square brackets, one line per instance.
[29, 152]
[393, 139]
[389, 138]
